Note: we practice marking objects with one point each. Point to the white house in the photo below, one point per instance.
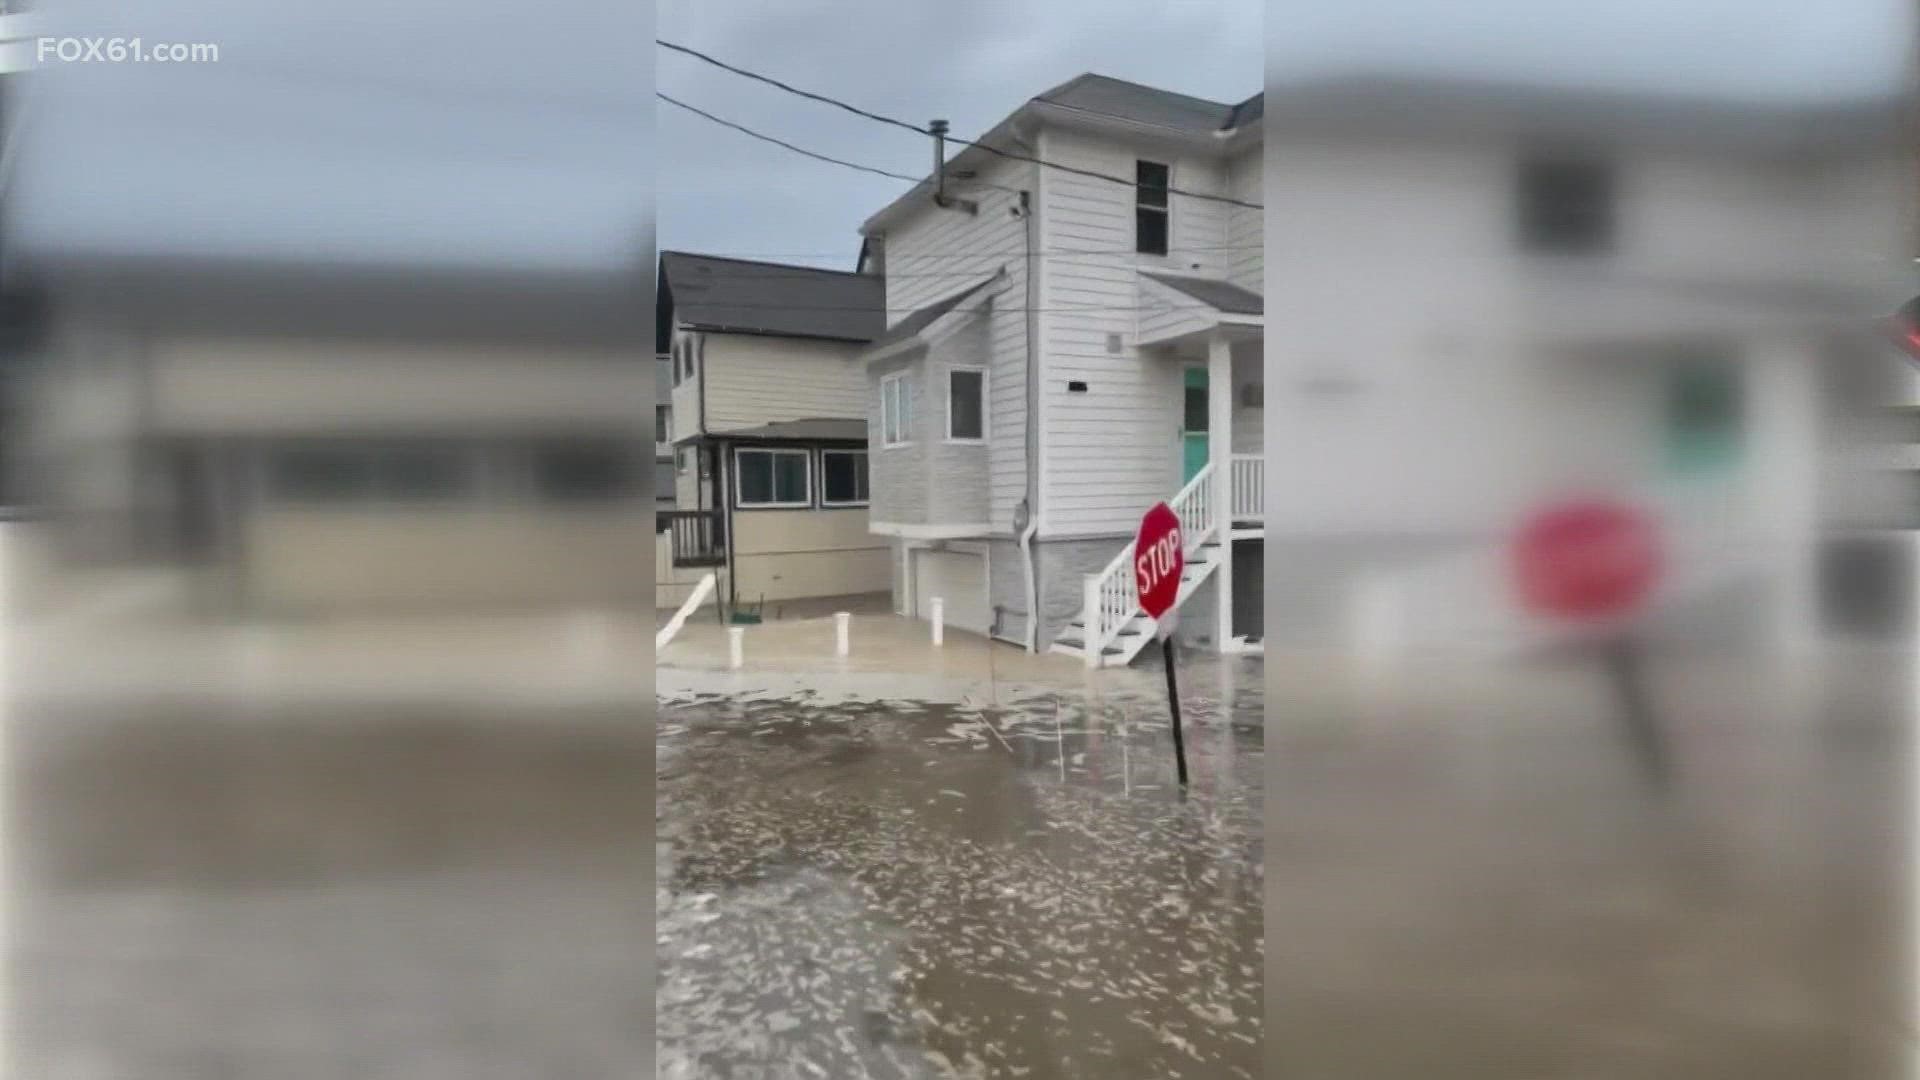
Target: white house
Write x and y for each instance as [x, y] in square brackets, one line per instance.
[769, 433]
[1492, 294]
[1064, 348]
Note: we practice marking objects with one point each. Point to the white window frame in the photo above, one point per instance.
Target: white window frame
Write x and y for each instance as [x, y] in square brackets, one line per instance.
[905, 414]
[829, 503]
[1172, 167]
[806, 457]
[950, 436]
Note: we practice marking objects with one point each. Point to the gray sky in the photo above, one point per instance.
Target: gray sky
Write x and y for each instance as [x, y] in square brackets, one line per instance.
[972, 63]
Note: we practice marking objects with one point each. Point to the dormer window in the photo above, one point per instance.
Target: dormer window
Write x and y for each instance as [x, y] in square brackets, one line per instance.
[1566, 206]
[1151, 212]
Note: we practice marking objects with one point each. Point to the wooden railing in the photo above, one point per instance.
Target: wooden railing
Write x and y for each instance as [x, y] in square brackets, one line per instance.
[1247, 487]
[696, 536]
[1111, 600]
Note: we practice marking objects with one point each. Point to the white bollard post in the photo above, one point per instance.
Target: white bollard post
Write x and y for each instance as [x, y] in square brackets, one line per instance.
[841, 623]
[939, 620]
[736, 647]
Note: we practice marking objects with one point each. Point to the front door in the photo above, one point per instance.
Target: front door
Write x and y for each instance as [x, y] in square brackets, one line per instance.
[1193, 424]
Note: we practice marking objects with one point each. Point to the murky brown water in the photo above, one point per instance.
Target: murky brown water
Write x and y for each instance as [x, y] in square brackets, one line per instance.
[907, 890]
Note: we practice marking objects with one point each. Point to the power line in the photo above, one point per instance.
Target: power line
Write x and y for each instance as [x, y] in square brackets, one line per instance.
[895, 122]
[744, 130]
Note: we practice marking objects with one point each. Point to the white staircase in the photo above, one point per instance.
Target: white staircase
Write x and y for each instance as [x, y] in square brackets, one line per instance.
[1111, 629]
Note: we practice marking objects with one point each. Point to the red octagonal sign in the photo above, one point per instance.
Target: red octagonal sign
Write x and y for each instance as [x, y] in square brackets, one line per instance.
[1159, 558]
[1586, 559]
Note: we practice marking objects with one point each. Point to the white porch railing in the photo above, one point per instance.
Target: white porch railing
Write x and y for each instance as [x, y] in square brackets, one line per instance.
[1111, 600]
[1247, 487]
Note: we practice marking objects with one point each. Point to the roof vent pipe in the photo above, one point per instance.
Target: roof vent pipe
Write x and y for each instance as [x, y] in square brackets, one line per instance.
[938, 129]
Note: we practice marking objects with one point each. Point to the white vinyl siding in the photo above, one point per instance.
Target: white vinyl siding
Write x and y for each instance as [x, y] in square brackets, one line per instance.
[1111, 451]
[931, 254]
[1244, 257]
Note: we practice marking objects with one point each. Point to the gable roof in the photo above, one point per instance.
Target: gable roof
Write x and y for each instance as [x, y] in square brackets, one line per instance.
[709, 292]
[1122, 100]
[915, 324]
[1223, 296]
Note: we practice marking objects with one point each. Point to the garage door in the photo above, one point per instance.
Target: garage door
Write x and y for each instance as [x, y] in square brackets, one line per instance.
[960, 579]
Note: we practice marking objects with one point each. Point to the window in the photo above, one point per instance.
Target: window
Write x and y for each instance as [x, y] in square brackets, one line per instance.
[1566, 206]
[663, 423]
[966, 405]
[843, 478]
[685, 458]
[771, 478]
[321, 474]
[1150, 208]
[895, 400]
[583, 473]
[1703, 417]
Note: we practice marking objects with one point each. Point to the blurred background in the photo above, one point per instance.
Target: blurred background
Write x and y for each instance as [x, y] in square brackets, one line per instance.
[1648, 254]
[327, 467]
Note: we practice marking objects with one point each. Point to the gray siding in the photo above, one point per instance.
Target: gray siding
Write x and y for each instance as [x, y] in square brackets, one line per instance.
[935, 252]
[897, 476]
[1007, 587]
[1064, 565]
[958, 472]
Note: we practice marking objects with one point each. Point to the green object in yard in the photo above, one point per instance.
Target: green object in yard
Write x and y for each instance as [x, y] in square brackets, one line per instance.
[745, 618]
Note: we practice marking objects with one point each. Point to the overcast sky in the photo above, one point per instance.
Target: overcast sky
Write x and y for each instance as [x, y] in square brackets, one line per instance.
[972, 63]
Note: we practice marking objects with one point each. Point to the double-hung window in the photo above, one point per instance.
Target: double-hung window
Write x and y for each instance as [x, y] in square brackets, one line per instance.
[843, 478]
[1151, 209]
[966, 404]
[896, 401]
[772, 479]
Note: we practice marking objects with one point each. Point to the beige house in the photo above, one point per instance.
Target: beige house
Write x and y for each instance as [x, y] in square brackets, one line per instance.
[770, 439]
[304, 448]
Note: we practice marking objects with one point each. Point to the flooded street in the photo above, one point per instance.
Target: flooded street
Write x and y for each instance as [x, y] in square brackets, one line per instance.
[906, 889]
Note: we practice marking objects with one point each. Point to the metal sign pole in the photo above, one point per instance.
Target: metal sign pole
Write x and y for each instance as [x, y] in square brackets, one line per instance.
[1173, 705]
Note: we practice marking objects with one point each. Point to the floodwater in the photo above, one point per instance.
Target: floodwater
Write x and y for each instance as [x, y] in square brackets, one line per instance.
[914, 889]
[223, 890]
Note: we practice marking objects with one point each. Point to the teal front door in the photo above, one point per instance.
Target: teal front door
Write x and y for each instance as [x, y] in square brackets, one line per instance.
[1193, 425]
[1703, 429]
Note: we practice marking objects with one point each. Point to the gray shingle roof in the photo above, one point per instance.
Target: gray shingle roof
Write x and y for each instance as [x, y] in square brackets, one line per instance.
[714, 293]
[924, 317]
[1132, 101]
[819, 429]
[1223, 296]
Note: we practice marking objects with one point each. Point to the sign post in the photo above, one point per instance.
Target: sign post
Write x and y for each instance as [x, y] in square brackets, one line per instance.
[1594, 561]
[1159, 561]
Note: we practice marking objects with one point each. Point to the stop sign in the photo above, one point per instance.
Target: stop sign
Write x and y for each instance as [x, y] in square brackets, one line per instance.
[1159, 558]
[1586, 559]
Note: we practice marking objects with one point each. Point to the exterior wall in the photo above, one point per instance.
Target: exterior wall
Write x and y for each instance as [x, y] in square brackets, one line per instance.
[1249, 421]
[1064, 565]
[1007, 587]
[673, 584]
[957, 476]
[756, 380]
[897, 475]
[932, 254]
[1114, 448]
[230, 386]
[320, 561]
[794, 554]
[1245, 252]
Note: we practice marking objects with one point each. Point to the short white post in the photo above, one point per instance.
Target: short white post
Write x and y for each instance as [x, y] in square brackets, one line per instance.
[842, 621]
[939, 620]
[1090, 614]
[736, 647]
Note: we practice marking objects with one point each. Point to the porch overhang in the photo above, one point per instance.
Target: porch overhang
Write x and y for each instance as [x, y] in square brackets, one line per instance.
[933, 322]
[1175, 310]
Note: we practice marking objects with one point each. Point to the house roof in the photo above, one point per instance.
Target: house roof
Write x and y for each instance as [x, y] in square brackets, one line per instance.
[919, 320]
[709, 292]
[1223, 296]
[1429, 105]
[817, 429]
[1124, 100]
